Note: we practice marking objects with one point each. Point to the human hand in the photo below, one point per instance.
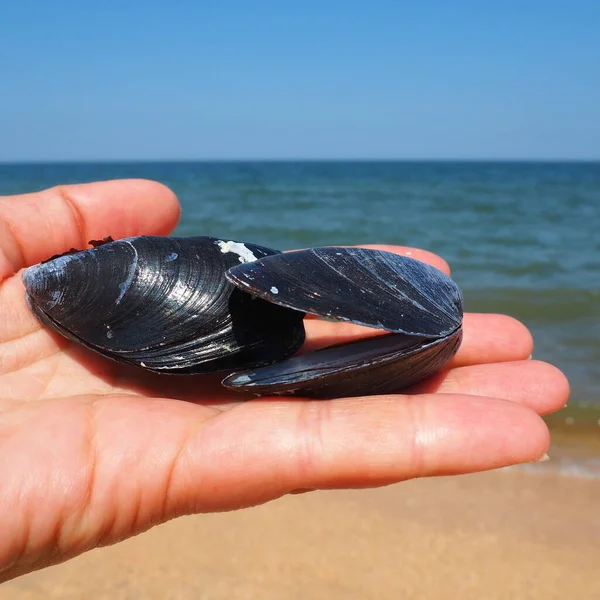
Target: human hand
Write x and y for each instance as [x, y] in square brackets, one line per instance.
[92, 452]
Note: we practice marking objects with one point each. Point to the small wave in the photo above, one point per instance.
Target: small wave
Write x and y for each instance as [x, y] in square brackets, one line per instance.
[582, 468]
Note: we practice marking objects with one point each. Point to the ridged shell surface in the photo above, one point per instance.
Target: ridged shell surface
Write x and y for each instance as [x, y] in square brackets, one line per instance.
[422, 305]
[368, 287]
[163, 304]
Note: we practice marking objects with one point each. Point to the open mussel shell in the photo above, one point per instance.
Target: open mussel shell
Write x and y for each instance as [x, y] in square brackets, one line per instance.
[163, 304]
[379, 365]
[417, 303]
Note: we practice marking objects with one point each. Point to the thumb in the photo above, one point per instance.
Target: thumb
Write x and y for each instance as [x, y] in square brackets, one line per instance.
[36, 226]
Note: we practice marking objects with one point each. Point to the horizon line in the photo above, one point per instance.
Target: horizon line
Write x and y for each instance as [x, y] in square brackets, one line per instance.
[69, 161]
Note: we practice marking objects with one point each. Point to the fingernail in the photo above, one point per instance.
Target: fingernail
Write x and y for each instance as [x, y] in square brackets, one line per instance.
[543, 458]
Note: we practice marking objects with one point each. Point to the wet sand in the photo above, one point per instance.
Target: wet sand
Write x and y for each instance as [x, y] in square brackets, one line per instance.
[504, 534]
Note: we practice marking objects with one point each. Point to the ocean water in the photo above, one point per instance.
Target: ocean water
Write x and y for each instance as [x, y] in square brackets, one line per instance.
[522, 238]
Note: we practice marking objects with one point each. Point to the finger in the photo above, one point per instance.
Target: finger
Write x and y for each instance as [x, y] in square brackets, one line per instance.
[36, 226]
[281, 446]
[493, 338]
[535, 384]
[486, 338]
[128, 464]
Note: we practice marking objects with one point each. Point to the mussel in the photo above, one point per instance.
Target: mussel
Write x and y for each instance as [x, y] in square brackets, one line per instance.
[201, 304]
[163, 304]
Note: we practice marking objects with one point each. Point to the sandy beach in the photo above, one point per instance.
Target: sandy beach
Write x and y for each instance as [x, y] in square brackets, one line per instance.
[503, 534]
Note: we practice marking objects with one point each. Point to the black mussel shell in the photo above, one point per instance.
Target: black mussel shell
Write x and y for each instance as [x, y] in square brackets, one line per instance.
[378, 365]
[163, 304]
[367, 287]
[420, 304]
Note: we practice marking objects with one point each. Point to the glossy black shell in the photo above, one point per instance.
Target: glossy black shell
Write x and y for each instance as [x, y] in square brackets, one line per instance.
[201, 304]
[163, 304]
[419, 304]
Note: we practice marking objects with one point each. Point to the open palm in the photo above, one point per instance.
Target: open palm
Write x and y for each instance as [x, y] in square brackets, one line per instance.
[92, 452]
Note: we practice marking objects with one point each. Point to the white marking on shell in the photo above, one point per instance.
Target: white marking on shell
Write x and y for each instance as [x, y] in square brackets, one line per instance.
[143, 364]
[57, 296]
[242, 379]
[34, 275]
[130, 275]
[274, 290]
[245, 254]
[172, 257]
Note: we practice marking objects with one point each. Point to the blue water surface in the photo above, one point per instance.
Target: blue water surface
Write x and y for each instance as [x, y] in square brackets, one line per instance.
[522, 238]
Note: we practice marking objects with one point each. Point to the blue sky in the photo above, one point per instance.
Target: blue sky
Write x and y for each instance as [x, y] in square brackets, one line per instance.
[236, 79]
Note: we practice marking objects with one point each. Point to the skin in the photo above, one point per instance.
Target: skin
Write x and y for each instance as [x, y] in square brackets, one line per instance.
[92, 452]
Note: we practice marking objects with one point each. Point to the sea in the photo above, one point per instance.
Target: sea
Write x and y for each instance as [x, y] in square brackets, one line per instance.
[522, 238]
